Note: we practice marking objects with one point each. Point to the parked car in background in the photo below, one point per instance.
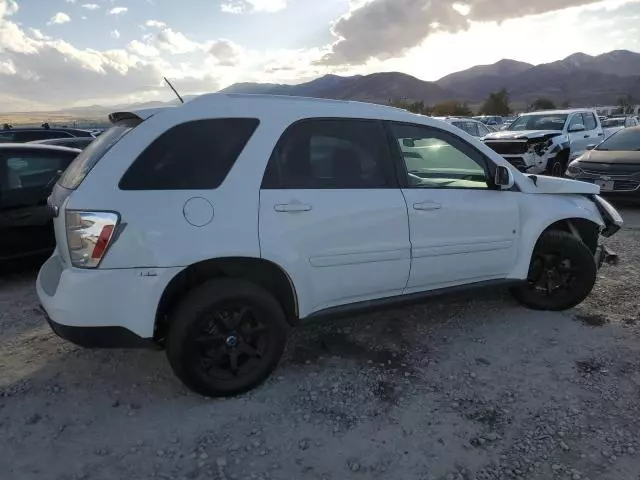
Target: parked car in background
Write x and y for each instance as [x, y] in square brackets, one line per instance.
[507, 121]
[317, 208]
[469, 125]
[614, 165]
[545, 142]
[614, 124]
[27, 175]
[71, 142]
[23, 135]
[490, 120]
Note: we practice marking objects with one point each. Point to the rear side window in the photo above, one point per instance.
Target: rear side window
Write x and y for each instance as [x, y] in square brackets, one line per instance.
[195, 155]
[83, 163]
[32, 135]
[589, 121]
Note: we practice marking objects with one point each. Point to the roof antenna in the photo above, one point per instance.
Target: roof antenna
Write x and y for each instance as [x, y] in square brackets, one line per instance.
[174, 90]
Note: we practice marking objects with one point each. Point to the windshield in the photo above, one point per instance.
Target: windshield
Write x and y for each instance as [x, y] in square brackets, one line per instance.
[83, 163]
[539, 122]
[627, 140]
[613, 122]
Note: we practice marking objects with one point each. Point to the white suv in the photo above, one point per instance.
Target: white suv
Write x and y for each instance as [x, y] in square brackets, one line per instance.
[213, 227]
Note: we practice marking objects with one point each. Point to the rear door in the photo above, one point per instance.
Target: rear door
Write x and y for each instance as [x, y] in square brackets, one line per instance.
[593, 130]
[332, 214]
[26, 180]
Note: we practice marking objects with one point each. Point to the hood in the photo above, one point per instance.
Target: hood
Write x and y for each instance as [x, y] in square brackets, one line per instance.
[522, 134]
[557, 185]
[603, 156]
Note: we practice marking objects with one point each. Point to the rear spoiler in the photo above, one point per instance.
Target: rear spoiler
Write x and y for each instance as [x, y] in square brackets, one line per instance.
[135, 116]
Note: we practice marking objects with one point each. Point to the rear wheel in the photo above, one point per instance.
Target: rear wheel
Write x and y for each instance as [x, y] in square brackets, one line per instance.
[561, 275]
[226, 337]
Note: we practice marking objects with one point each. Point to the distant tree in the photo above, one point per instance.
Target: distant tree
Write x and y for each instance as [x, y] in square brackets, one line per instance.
[418, 107]
[497, 104]
[453, 108]
[542, 104]
[627, 104]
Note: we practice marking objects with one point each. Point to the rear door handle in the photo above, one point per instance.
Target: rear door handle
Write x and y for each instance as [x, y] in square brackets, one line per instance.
[427, 206]
[292, 207]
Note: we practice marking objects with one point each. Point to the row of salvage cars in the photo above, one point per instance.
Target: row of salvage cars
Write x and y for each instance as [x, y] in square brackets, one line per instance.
[31, 161]
[572, 143]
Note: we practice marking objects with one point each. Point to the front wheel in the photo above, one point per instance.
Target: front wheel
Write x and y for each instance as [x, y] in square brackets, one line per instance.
[226, 337]
[561, 275]
[557, 166]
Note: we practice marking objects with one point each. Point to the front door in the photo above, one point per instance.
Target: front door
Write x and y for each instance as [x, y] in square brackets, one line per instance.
[26, 180]
[462, 230]
[332, 214]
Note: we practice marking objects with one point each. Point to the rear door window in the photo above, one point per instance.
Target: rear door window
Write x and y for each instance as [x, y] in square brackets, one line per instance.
[589, 121]
[195, 155]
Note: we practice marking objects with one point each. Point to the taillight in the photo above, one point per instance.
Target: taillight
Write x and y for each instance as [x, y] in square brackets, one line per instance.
[89, 235]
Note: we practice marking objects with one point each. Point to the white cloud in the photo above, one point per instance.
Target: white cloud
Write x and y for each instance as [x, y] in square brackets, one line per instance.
[59, 18]
[37, 34]
[155, 24]
[142, 49]
[70, 1]
[226, 53]
[248, 6]
[115, 34]
[118, 11]
[91, 6]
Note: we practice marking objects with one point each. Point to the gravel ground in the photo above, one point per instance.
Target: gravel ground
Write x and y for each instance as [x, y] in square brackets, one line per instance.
[464, 387]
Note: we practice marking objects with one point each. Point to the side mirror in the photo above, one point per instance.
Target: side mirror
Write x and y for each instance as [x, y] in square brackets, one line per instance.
[504, 178]
[577, 128]
[591, 147]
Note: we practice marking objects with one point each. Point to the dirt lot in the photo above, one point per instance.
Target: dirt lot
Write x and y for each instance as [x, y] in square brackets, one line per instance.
[466, 387]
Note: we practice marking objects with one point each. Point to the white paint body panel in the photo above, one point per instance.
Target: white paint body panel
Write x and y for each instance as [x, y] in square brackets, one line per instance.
[353, 245]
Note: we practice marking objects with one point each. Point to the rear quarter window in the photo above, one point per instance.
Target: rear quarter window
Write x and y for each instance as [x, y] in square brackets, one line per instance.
[195, 155]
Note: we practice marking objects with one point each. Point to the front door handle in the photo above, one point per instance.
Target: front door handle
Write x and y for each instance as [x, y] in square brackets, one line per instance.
[587, 136]
[427, 206]
[291, 207]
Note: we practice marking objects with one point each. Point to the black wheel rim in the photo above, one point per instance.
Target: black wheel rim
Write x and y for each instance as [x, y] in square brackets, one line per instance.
[552, 274]
[231, 341]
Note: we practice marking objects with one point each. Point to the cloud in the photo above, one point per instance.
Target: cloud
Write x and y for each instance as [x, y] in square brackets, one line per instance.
[249, 6]
[118, 11]
[155, 24]
[91, 6]
[383, 29]
[115, 34]
[142, 49]
[70, 1]
[226, 53]
[59, 18]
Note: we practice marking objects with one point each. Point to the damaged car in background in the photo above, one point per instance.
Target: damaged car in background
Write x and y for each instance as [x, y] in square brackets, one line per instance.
[545, 142]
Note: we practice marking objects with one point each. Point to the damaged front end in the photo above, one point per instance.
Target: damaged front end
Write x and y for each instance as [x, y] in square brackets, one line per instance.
[528, 153]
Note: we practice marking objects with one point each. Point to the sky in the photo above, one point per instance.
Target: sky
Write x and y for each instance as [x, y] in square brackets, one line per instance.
[56, 54]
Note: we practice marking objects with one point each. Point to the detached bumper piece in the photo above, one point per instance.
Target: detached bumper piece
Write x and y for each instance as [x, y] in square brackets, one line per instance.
[604, 256]
[99, 337]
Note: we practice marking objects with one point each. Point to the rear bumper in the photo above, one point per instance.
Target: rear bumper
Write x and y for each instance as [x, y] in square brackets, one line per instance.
[102, 308]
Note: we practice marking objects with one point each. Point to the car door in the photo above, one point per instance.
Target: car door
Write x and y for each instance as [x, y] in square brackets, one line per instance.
[594, 132]
[461, 229]
[332, 214]
[579, 139]
[26, 180]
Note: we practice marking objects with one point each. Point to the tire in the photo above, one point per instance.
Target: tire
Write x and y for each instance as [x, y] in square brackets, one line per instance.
[562, 265]
[558, 166]
[221, 320]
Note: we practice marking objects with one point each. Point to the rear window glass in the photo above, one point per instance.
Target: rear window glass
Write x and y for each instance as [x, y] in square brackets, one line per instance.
[195, 155]
[83, 163]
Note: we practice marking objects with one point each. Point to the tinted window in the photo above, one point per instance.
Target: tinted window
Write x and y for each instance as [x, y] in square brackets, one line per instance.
[83, 163]
[195, 155]
[331, 154]
[6, 137]
[436, 159]
[31, 135]
[29, 170]
[624, 140]
[589, 121]
[613, 122]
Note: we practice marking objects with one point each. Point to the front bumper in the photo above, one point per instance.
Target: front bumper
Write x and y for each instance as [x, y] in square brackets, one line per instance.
[99, 307]
[604, 256]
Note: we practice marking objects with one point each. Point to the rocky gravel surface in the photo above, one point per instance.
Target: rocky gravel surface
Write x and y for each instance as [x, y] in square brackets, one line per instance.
[463, 387]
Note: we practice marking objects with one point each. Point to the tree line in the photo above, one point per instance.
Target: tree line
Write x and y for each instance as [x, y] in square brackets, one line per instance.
[497, 103]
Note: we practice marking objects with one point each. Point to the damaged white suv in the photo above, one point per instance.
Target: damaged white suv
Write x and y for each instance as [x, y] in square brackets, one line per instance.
[545, 142]
[212, 228]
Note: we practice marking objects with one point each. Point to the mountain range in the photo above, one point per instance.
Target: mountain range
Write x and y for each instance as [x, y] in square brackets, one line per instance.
[578, 80]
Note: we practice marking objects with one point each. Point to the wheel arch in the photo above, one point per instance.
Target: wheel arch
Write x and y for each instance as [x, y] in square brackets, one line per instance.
[586, 230]
[265, 273]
